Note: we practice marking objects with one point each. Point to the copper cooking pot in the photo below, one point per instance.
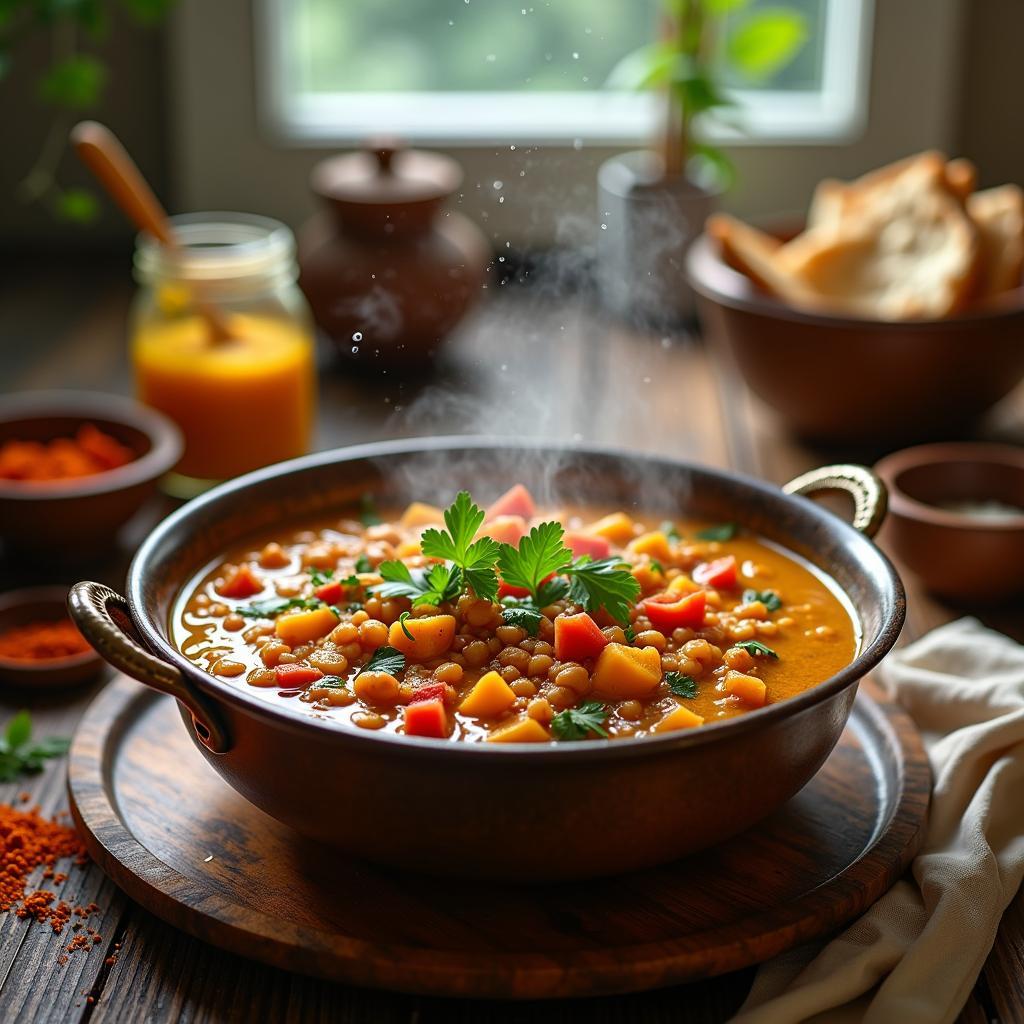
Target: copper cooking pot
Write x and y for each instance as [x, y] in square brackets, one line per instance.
[516, 811]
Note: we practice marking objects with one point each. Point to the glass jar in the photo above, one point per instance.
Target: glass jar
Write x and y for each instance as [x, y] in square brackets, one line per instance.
[243, 402]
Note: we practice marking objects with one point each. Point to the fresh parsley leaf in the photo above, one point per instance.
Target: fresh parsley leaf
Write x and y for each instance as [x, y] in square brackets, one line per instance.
[15, 760]
[630, 634]
[669, 529]
[330, 683]
[577, 723]
[656, 566]
[363, 564]
[680, 685]
[405, 628]
[384, 659]
[553, 590]
[368, 515]
[605, 584]
[474, 558]
[768, 598]
[435, 585]
[350, 581]
[318, 577]
[755, 647]
[723, 531]
[274, 606]
[524, 616]
[539, 554]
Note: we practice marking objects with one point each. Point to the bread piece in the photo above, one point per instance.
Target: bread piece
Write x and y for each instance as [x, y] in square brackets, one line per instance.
[999, 216]
[961, 177]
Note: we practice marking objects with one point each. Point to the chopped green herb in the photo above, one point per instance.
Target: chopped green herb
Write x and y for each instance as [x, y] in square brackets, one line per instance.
[435, 585]
[656, 566]
[768, 598]
[630, 634]
[350, 581]
[363, 564]
[368, 515]
[539, 554]
[524, 616]
[274, 606]
[553, 590]
[756, 648]
[384, 659]
[330, 683]
[474, 558]
[606, 584]
[723, 531]
[669, 529]
[318, 577]
[577, 723]
[405, 628]
[17, 757]
[680, 685]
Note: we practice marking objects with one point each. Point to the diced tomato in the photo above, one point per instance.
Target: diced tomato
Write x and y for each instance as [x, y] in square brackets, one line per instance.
[297, 675]
[240, 582]
[426, 718]
[720, 574]
[504, 529]
[516, 501]
[432, 691]
[666, 614]
[588, 544]
[330, 593]
[578, 636]
[507, 590]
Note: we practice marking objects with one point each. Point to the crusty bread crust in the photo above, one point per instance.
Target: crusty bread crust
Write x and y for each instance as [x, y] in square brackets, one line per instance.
[999, 216]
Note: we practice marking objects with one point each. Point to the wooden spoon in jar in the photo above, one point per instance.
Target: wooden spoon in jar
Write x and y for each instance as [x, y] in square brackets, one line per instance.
[100, 151]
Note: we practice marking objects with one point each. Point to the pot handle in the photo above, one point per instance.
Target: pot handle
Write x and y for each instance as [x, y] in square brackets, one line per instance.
[104, 619]
[870, 498]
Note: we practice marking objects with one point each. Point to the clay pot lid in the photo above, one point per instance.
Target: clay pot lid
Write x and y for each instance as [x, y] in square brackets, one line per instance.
[385, 173]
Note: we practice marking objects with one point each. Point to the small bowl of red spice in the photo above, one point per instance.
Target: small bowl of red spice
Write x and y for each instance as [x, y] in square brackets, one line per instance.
[40, 647]
[75, 466]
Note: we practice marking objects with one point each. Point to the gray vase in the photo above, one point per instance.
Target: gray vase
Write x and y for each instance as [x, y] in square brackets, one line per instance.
[647, 223]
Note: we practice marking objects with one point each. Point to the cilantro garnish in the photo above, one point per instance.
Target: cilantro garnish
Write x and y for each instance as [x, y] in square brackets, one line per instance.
[405, 628]
[384, 659]
[436, 585]
[274, 606]
[604, 584]
[723, 531]
[318, 577]
[330, 683]
[669, 529]
[656, 566]
[680, 685]
[474, 558]
[363, 564]
[755, 647]
[768, 598]
[539, 554]
[17, 757]
[577, 723]
[350, 581]
[524, 616]
[368, 515]
[630, 634]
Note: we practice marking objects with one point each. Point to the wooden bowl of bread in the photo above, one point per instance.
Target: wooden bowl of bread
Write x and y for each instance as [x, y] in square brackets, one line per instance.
[896, 313]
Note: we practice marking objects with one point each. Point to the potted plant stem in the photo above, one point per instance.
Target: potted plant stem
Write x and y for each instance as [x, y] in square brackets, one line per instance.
[653, 202]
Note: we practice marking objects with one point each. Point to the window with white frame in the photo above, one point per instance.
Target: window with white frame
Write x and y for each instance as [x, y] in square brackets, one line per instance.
[476, 72]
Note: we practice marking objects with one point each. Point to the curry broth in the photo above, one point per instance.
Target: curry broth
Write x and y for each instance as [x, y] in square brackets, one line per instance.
[812, 633]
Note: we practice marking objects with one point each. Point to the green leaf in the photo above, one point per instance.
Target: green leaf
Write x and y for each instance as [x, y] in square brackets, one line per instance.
[552, 590]
[718, 7]
[405, 628]
[768, 598]
[331, 683]
[766, 40]
[368, 511]
[656, 566]
[385, 659]
[272, 606]
[697, 94]
[363, 564]
[523, 616]
[756, 648]
[149, 12]
[75, 82]
[710, 166]
[605, 584]
[723, 531]
[19, 731]
[680, 685]
[539, 554]
[648, 67]
[630, 634]
[475, 558]
[77, 206]
[435, 585]
[318, 577]
[577, 723]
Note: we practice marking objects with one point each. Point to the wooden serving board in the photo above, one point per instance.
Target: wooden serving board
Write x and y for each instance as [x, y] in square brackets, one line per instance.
[182, 843]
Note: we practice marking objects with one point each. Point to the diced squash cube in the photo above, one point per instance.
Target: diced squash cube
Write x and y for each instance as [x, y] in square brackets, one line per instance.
[680, 718]
[623, 672]
[420, 514]
[302, 627]
[432, 635]
[749, 689]
[682, 585]
[618, 528]
[490, 696]
[522, 730]
[654, 544]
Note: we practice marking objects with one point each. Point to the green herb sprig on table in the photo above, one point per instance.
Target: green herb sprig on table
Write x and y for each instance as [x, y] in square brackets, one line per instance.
[18, 756]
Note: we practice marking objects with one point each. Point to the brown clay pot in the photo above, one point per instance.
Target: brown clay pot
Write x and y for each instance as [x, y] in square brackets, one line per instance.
[387, 271]
[506, 811]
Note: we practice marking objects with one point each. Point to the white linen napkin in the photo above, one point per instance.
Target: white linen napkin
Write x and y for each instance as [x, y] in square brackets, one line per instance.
[915, 955]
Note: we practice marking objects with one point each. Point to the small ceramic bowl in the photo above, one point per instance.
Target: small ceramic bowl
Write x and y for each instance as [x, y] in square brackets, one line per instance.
[86, 513]
[42, 604]
[852, 380]
[956, 518]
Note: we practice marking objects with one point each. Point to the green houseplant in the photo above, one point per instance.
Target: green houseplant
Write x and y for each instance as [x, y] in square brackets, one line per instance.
[654, 202]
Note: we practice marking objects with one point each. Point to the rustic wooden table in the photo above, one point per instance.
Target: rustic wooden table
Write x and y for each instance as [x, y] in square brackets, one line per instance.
[526, 366]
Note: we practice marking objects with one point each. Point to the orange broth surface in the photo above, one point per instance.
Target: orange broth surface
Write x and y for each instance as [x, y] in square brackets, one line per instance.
[470, 675]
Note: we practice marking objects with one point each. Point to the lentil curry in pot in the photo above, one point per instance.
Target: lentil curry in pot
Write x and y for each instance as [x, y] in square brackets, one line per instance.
[506, 625]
